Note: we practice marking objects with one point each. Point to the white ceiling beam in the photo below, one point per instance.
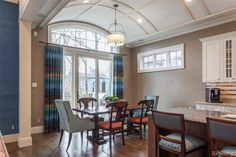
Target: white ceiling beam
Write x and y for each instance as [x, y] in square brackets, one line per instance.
[186, 8]
[137, 11]
[54, 12]
[204, 7]
[91, 6]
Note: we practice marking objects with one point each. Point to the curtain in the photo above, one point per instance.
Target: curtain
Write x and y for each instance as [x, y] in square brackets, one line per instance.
[53, 86]
[118, 76]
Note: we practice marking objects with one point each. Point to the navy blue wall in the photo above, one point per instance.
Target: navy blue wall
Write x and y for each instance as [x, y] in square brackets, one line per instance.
[9, 68]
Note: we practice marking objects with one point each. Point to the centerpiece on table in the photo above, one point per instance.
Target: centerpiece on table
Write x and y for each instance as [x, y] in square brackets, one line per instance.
[111, 99]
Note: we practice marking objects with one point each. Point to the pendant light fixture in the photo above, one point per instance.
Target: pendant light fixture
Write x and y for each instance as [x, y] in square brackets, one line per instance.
[116, 35]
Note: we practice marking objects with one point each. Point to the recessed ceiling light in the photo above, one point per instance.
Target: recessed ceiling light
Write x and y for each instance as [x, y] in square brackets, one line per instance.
[85, 1]
[140, 20]
[188, 0]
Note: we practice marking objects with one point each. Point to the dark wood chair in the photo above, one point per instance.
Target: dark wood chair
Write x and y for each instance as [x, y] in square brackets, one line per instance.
[116, 120]
[142, 120]
[222, 136]
[155, 98]
[86, 102]
[170, 135]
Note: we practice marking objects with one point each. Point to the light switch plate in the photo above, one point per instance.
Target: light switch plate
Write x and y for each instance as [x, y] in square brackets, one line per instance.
[34, 84]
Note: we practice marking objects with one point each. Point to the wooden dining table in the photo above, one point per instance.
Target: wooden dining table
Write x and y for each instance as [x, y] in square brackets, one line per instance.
[95, 112]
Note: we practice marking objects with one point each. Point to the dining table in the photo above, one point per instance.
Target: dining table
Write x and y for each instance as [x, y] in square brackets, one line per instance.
[95, 112]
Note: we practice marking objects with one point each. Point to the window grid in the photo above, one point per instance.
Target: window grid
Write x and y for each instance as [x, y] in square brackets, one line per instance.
[162, 59]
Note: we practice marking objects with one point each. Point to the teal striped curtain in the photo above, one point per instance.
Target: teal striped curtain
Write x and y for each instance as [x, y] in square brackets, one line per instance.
[118, 76]
[53, 86]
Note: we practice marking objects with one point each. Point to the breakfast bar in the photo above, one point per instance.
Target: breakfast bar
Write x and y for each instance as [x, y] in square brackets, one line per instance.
[195, 124]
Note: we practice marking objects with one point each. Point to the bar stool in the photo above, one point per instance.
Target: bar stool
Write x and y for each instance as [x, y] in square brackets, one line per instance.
[170, 135]
[222, 131]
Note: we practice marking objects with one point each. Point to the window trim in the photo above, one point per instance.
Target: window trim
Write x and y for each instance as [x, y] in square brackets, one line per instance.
[161, 51]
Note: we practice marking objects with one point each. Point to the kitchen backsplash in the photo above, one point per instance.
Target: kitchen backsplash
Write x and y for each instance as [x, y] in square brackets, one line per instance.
[227, 90]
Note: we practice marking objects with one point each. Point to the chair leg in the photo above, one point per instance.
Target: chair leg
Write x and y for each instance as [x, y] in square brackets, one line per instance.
[62, 133]
[70, 136]
[110, 138]
[144, 128]
[123, 136]
[140, 131]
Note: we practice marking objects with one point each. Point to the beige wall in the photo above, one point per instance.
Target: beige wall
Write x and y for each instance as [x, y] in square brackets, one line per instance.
[38, 76]
[185, 86]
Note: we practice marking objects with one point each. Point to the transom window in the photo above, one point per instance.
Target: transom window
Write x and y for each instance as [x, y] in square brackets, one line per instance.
[168, 58]
[81, 36]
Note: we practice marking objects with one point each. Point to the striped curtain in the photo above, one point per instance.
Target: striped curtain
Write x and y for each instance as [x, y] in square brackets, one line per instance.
[53, 86]
[118, 76]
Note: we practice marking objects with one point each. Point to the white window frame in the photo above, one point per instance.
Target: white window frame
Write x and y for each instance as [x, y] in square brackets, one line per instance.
[166, 50]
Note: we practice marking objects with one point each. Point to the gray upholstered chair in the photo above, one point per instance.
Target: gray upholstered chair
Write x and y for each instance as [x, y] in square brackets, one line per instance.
[222, 131]
[170, 135]
[70, 122]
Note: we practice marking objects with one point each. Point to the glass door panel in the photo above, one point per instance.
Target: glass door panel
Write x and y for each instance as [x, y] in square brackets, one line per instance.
[68, 78]
[87, 77]
[105, 79]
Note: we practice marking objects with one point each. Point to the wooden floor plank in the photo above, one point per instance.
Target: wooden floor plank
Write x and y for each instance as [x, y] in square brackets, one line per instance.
[45, 145]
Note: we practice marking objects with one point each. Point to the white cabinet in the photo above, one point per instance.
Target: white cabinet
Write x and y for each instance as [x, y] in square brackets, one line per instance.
[211, 61]
[228, 59]
[219, 58]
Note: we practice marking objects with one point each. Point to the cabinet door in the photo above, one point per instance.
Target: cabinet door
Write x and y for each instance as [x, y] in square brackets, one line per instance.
[211, 61]
[229, 61]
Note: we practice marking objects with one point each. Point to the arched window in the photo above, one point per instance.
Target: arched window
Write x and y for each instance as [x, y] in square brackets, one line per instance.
[80, 35]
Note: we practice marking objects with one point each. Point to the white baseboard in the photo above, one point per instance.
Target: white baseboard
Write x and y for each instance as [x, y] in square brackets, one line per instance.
[24, 142]
[10, 138]
[37, 129]
[14, 137]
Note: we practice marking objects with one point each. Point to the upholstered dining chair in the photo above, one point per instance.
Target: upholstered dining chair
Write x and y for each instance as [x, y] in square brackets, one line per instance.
[70, 122]
[116, 120]
[222, 131]
[142, 120]
[170, 135]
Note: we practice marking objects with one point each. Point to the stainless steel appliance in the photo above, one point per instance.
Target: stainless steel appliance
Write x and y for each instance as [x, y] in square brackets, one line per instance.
[213, 95]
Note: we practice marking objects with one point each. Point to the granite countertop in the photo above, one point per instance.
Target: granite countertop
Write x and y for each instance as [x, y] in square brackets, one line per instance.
[220, 104]
[195, 115]
[3, 150]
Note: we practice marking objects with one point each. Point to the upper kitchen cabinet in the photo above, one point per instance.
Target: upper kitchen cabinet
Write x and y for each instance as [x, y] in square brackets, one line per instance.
[218, 58]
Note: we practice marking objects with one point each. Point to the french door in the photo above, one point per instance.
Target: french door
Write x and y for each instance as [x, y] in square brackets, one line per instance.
[86, 76]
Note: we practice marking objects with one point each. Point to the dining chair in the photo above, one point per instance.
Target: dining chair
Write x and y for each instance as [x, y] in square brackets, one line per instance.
[116, 119]
[170, 135]
[70, 122]
[142, 120]
[86, 102]
[222, 131]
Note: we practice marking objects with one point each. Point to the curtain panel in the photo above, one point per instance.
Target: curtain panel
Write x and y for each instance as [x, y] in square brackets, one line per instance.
[53, 86]
[118, 76]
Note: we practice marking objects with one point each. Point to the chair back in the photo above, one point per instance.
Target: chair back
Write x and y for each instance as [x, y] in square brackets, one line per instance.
[223, 130]
[147, 106]
[85, 102]
[170, 123]
[118, 111]
[65, 114]
[155, 98]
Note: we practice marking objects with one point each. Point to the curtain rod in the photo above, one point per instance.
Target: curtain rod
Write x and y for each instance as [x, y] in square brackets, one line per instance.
[64, 46]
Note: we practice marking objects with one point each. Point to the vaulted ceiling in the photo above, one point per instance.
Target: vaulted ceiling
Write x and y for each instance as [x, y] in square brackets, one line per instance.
[146, 21]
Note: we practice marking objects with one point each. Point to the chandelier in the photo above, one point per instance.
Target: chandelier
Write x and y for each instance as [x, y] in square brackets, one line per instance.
[116, 36]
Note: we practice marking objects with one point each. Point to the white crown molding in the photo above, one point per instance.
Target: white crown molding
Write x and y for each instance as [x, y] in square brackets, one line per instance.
[13, 1]
[196, 25]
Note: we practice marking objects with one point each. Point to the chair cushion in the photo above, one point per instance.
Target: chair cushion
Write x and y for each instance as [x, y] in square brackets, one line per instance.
[229, 150]
[136, 120]
[106, 125]
[191, 142]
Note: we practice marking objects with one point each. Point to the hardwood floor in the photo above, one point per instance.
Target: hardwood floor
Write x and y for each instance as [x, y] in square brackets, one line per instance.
[45, 145]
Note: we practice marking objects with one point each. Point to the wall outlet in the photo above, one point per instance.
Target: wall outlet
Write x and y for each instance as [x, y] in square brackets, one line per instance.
[35, 33]
[34, 84]
[39, 120]
[12, 127]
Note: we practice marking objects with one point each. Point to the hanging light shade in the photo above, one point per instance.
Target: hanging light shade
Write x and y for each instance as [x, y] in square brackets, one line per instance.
[116, 36]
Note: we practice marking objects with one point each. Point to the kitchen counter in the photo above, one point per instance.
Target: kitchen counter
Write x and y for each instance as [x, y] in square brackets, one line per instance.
[3, 150]
[195, 124]
[220, 104]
